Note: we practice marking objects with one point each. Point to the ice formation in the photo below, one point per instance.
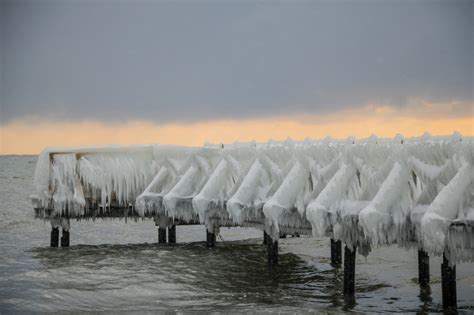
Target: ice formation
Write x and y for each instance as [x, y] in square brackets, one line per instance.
[409, 191]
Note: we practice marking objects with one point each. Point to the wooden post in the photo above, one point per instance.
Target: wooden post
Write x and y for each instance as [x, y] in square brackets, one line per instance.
[336, 253]
[349, 270]
[265, 238]
[172, 234]
[210, 239]
[65, 238]
[423, 268]
[272, 248]
[448, 284]
[54, 237]
[161, 235]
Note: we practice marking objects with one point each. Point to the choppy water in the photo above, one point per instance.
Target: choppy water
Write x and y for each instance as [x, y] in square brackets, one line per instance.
[113, 265]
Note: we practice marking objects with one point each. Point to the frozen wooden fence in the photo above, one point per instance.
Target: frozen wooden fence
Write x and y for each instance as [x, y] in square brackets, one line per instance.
[415, 192]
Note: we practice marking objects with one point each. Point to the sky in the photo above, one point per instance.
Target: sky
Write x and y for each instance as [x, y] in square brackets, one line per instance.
[79, 72]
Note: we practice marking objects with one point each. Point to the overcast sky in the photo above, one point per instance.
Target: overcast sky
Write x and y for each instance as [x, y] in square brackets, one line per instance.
[166, 61]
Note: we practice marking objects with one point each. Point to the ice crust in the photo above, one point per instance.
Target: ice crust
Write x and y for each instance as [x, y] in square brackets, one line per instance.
[369, 192]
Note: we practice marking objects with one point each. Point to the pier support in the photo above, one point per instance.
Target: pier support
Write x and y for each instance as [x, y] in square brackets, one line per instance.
[272, 248]
[349, 270]
[161, 235]
[265, 238]
[423, 268]
[448, 284]
[172, 234]
[336, 253]
[65, 238]
[54, 237]
[210, 239]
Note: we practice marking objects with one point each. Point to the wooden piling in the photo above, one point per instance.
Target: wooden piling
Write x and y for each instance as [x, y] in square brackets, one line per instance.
[423, 268]
[210, 239]
[172, 234]
[349, 270]
[265, 238]
[448, 284]
[161, 235]
[65, 238]
[272, 251]
[336, 253]
[54, 242]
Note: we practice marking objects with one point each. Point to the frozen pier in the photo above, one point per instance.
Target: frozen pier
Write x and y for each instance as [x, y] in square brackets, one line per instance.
[361, 194]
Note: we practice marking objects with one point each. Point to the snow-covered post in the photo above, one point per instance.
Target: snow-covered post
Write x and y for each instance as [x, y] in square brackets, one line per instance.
[349, 270]
[172, 234]
[448, 284]
[336, 253]
[423, 268]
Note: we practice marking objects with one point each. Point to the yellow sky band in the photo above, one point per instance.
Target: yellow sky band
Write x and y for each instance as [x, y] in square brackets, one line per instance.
[31, 136]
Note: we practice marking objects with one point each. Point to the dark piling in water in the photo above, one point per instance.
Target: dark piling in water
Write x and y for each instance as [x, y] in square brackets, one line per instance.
[172, 234]
[349, 270]
[210, 239]
[265, 238]
[448, 284]
[336, 253]
[54, 237]
[65, 238]
[272, 248]
[423, 268]
[161, 235]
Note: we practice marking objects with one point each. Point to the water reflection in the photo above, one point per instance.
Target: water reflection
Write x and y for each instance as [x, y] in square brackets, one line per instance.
[425, 298]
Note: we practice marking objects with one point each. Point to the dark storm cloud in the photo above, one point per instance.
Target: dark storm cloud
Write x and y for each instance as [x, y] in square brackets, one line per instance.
[182, 61]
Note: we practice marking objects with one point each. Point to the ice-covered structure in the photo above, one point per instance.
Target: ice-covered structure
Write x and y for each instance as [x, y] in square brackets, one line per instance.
[369, 192]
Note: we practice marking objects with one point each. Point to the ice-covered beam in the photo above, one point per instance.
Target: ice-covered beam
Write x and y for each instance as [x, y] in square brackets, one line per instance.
[178, 202]
[211, 201]
[383, 219]
[151, 199]
[318, 211]
[254, 190]
[288, 196]
[449, 205]
[247, 191]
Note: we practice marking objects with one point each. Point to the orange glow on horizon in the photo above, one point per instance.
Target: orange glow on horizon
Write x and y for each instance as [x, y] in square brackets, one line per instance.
[30, 137]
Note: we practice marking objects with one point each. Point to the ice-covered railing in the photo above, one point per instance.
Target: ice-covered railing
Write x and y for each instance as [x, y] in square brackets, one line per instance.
[257, 186]
[399, 190]
[173, 162]
[210, 203]
[334, 212]
[454, 204]
[433, 209]
[311, 166]
[70, 180]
